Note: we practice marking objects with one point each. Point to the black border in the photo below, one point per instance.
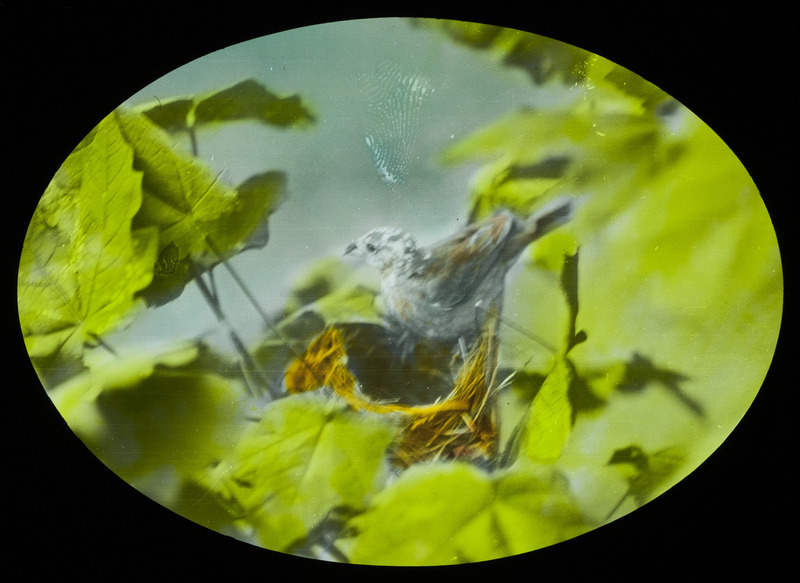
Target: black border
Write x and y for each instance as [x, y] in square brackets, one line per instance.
[65, 66]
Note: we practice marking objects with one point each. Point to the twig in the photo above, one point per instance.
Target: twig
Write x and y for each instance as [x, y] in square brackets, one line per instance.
[240, 282]
[103, 344]
[246, 362]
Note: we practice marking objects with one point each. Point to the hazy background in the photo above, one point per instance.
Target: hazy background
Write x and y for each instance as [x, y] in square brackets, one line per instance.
[335, 191]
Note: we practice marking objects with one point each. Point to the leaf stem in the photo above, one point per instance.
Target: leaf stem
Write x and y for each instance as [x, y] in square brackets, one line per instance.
[246, 363]
[102, 343]
[193, 141]
[240, 282]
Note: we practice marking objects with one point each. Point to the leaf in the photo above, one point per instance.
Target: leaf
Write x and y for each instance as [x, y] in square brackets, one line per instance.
[446, 513]
[542, 58]
[171, 115]
[641, 371]
[82, 264]
[200, 220]
[306, 456]
[267, 190]
[76, 398]
[608, 130]
[549, 420]
[182, 416]
[543, 432]
[334, 293]
[156, 415]
[697, 290]
[647, 474]
[251, 100]
[247, 100]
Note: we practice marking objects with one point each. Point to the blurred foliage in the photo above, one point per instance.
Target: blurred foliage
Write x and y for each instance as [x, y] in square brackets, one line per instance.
[548, 425]
[247, 100]
[542, 58]
[305, 456]
[200, 220]
[645, 472]
[632, 340]
[157, 416]
[83, 263]
[446, 513]
[128, 217]
[680, 273]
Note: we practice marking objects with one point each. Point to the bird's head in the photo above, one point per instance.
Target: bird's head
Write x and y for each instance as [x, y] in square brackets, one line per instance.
[383, 247]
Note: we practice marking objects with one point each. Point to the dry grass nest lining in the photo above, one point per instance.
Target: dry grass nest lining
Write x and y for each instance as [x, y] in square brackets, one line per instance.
[462, 425]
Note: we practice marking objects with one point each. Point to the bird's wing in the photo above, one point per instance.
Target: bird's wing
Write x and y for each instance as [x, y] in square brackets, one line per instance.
[463, 261]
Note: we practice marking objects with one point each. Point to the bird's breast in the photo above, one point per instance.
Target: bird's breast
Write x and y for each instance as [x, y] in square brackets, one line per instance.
[413, 302]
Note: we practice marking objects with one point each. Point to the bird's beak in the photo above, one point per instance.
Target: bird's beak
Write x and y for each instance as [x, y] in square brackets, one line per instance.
[350, 248]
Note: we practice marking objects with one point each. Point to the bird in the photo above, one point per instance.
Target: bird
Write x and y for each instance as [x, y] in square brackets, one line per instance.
[444, 292]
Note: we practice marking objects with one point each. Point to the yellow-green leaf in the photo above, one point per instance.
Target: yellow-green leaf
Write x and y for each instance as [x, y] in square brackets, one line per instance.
[306, 456]
[251, 100]
[76, 398]
[446, 513]
[247, 100]
[543, 59]
[647, 474]
[200, 219]
[549, 419]
[82, 264]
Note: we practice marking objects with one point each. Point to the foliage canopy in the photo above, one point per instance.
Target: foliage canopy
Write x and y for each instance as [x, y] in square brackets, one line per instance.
[323, 438]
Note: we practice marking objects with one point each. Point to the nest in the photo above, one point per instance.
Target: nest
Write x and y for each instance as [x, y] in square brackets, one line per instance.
[462, 425]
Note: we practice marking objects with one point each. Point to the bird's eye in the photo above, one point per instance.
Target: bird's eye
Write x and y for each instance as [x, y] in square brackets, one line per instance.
[370, 247]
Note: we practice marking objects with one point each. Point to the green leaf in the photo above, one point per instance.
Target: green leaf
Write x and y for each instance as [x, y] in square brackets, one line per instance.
[335, 293]
[678, 260]
[446, 513]
[82, 264]
[171, 115]
[76, 398]
[542, 58]
[156, 415]
[260, 193]
[549, 420]
[181, 416]
[247, 100]
[306, 456]
[647, 474]
[707, 303]
[608, 130]
[200, 220]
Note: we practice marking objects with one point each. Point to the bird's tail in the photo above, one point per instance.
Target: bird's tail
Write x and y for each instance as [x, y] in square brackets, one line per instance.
[554, 214]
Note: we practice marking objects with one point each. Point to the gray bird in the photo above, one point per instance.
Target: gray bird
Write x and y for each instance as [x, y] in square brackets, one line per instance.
[444, 292]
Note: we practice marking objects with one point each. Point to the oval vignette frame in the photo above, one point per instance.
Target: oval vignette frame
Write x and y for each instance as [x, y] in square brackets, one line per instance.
[776, 331]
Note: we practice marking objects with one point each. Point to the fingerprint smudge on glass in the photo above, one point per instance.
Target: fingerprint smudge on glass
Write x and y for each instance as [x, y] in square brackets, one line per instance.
[394, 100]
